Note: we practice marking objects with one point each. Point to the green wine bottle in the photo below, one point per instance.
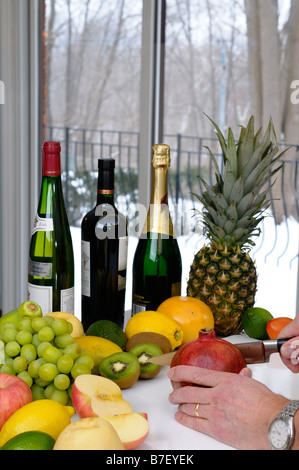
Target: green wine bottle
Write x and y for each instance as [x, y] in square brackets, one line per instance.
[157, 265]
[51, 259]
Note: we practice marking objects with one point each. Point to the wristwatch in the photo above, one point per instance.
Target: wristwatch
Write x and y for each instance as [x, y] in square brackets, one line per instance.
[281, 431]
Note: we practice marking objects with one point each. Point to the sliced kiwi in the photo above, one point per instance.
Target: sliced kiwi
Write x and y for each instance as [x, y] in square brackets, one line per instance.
[122, 367]
[144, 352]
[150, 337]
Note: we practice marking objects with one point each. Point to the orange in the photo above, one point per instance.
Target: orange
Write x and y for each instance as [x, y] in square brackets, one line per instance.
[275, 326]
[192, 315]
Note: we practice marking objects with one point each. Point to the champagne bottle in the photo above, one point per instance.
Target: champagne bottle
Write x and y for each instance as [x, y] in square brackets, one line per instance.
[157, 265]
[51, 258]
[104, 246]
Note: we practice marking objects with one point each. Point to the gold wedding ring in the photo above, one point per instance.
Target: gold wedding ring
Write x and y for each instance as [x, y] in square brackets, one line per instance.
[196, 410]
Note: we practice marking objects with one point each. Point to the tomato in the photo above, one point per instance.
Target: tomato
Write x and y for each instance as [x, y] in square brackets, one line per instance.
[275, 326]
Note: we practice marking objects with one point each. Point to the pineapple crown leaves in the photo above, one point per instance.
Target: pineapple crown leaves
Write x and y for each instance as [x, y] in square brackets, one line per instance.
[235, 205]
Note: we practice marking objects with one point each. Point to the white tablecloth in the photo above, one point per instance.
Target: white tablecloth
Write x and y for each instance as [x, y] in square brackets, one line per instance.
[151, 397]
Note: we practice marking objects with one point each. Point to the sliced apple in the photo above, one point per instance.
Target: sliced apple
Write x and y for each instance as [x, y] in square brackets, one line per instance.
[89, 434]
[93, 395]
[132, 428]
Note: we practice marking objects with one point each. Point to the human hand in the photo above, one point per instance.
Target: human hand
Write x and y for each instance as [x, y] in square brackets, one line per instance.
[234, 409]
[289, 352]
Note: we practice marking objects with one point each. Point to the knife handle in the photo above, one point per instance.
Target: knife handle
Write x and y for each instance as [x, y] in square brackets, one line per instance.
[280, 342]
[258, 352]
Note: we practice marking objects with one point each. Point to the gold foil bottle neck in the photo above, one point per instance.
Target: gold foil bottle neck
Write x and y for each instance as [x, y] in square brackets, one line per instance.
[161, 156]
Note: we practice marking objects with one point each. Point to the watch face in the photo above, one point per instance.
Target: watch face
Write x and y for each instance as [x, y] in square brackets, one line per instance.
[279, 434]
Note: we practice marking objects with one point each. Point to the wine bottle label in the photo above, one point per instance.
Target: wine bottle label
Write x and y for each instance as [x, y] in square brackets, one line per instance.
[141, 303]
[85, 268]
[42, 295]
[67, 300]
[39, 269]
[42, 224]
[136, 308]
[122, 263]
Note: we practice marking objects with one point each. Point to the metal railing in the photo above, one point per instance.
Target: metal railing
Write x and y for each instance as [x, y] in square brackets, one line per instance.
[81, 149]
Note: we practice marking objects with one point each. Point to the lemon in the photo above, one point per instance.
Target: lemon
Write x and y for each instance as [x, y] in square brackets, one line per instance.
[47, 416]
[97, 348]
[109, 330]
[255, 321]
[30, 440]
[155, 322]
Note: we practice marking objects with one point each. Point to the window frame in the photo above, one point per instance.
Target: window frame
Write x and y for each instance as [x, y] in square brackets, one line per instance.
[20, 138]
[21, 120]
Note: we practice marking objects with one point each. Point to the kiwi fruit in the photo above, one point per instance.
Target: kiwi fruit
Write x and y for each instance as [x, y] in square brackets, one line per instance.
[149, 337]
[121, 367]
[143, 352]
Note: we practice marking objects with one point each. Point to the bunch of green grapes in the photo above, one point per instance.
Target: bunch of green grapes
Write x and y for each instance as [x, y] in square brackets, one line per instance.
[43, 353]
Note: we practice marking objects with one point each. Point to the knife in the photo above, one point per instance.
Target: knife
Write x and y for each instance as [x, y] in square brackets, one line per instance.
[254, 352]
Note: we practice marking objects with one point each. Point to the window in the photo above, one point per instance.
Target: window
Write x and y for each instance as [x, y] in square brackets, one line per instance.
[227, 59]
[93, 70]
[230, 59]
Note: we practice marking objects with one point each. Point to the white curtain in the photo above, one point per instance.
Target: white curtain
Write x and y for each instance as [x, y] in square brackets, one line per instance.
[19, 143]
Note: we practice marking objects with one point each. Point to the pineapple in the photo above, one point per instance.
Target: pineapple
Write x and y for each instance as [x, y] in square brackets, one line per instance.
[223, 275]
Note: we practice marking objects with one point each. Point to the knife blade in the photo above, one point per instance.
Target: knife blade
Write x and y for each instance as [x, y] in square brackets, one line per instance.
[254, 352]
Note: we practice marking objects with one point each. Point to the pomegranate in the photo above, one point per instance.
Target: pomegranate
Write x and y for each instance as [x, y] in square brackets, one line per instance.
[210, 352]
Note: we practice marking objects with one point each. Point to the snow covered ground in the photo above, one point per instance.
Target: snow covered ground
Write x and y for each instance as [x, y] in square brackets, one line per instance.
[276, 261]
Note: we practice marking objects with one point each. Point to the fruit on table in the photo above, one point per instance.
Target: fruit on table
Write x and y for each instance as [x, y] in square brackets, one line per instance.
[255, 321]
[144, 352]
[97, 348]
[155, 322]
[30, 440]
[275, 325]
[109, 330]
[191, 313]
[222, 274]
[14, 393]
[89, 434]
[42, 352]
[132, 428]
[77, 325]
[149, 337]
[47, 416]
[211, 353]
[27, 309]
[122, 367]
[94, 395]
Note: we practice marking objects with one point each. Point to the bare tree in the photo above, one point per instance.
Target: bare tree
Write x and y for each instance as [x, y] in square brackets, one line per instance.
[273, 63]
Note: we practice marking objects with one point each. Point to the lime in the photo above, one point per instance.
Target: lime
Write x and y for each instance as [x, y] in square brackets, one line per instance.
[255, 321]
[109, 330]
[30, 440]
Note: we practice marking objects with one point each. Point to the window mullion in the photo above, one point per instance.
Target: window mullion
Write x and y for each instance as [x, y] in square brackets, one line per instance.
[152, 86]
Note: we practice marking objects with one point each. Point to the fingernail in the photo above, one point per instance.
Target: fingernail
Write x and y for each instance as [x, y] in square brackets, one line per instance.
[287, 350]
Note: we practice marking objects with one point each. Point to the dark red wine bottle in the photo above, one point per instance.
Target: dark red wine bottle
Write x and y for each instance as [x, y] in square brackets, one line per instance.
[104, 244]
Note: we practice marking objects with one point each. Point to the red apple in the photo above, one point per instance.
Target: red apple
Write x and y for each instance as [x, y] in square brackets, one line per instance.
[94, 395]
[14, 393]
[132, 428]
